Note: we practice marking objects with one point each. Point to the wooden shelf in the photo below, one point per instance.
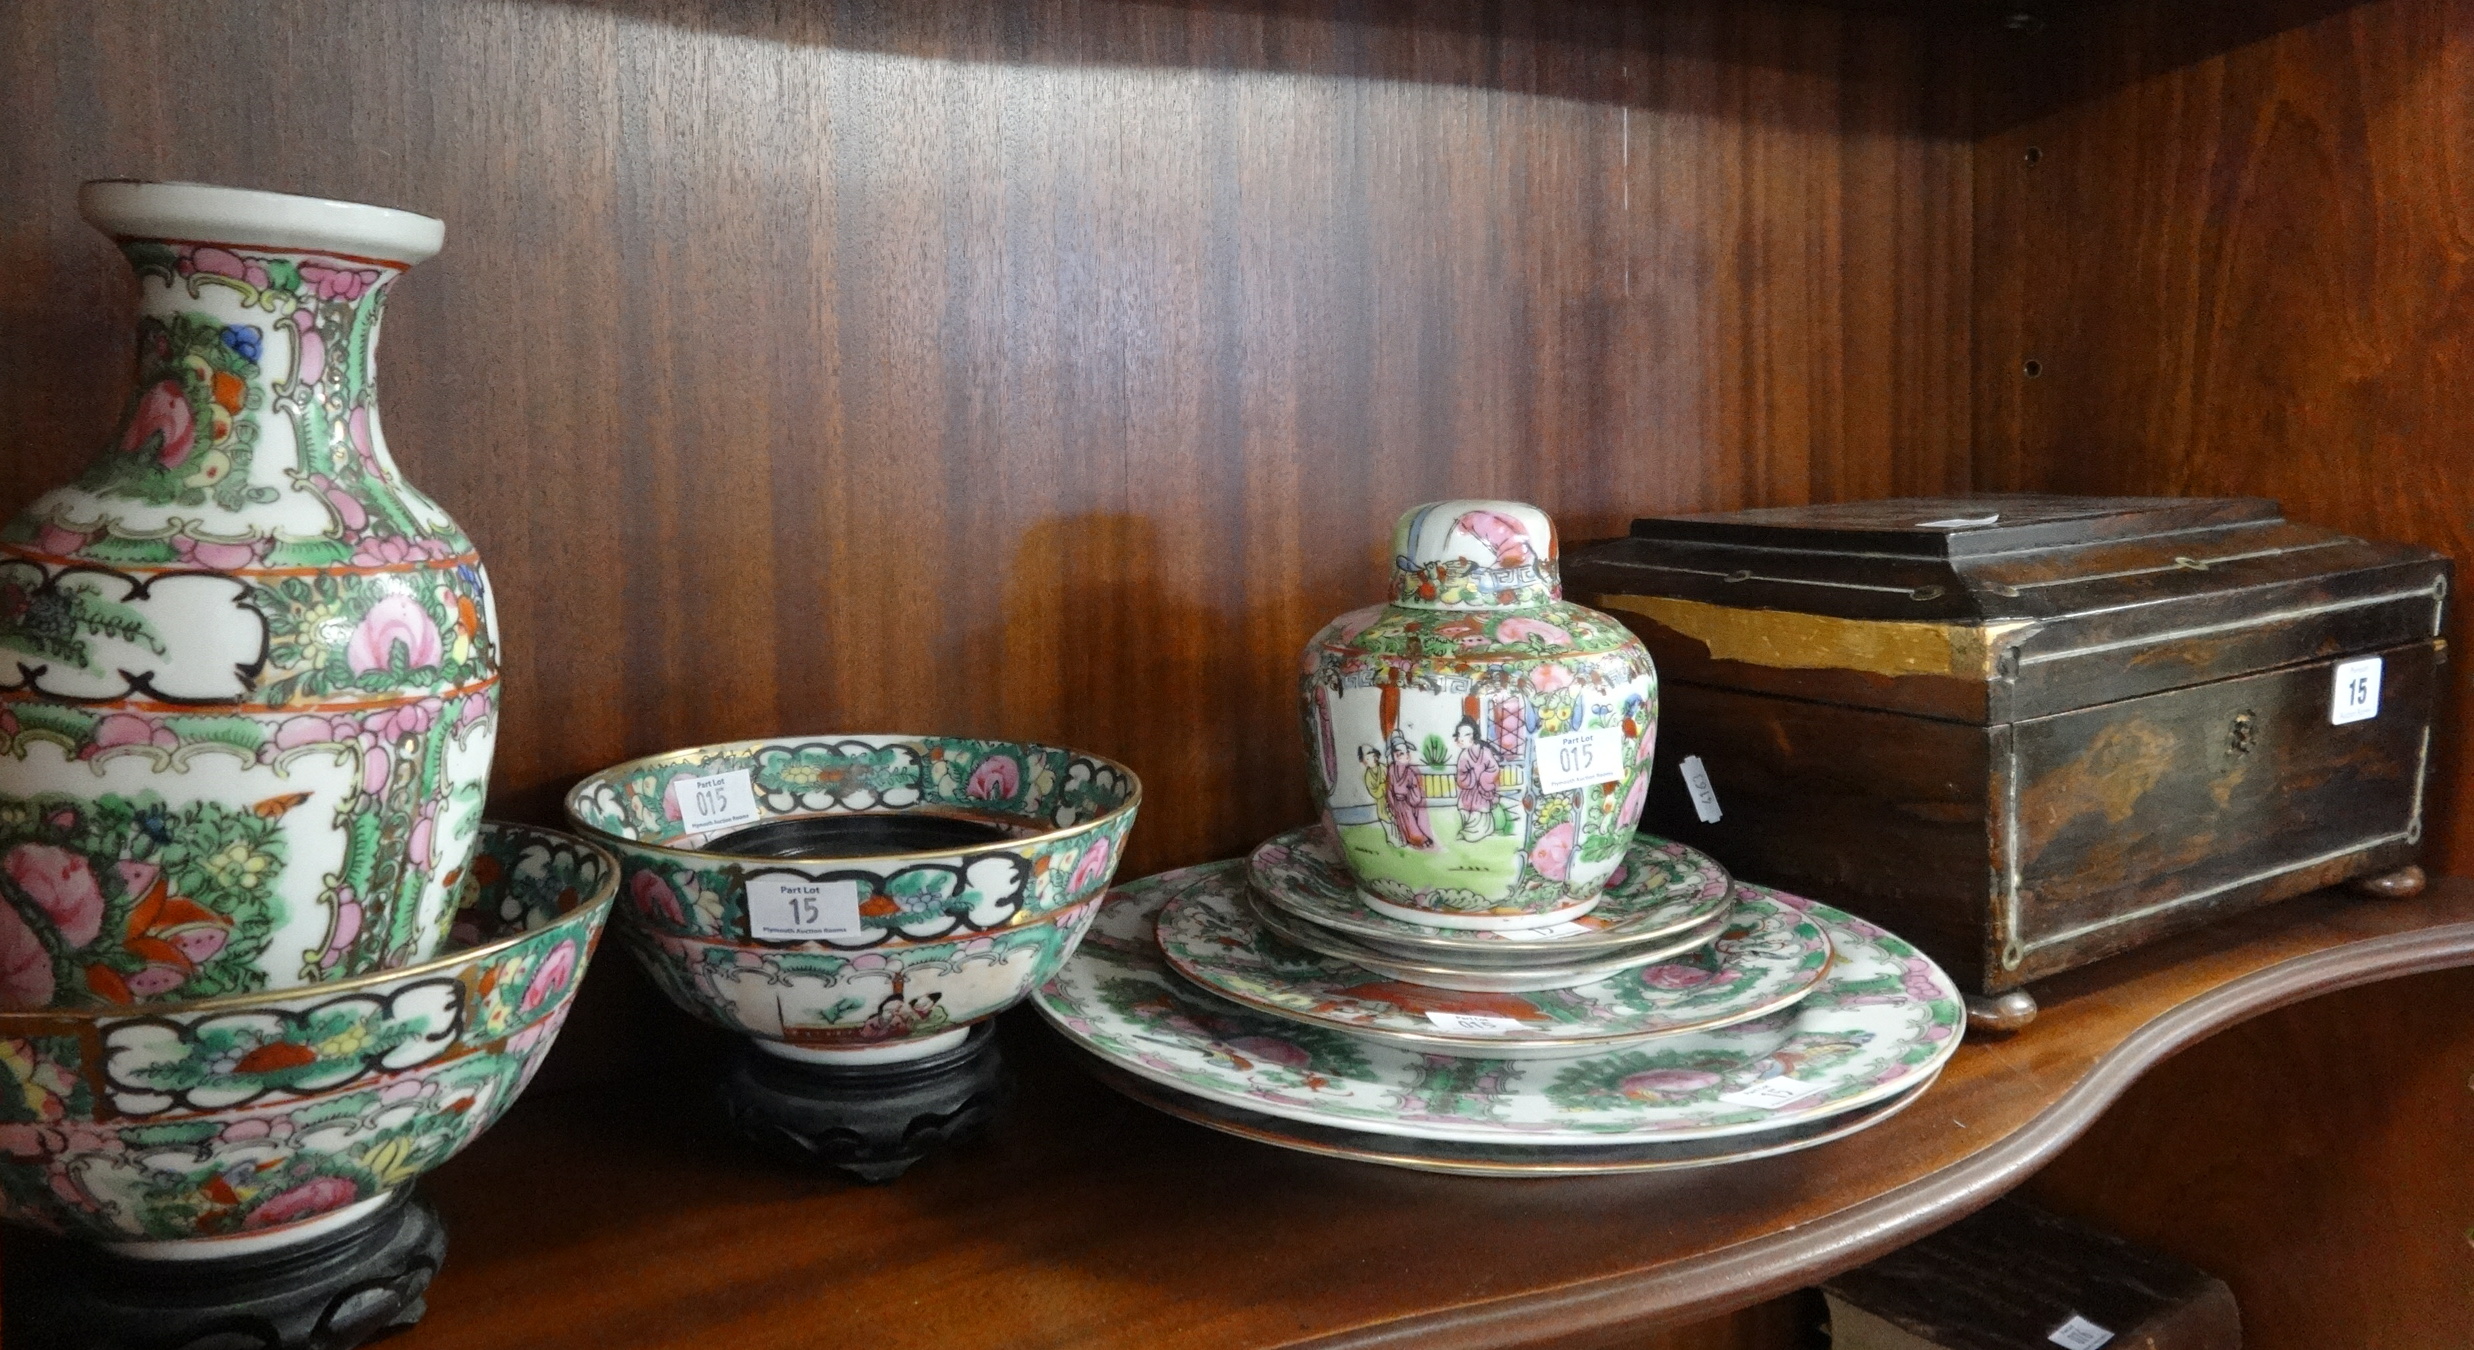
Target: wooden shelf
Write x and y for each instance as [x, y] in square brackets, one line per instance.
[613, 1219]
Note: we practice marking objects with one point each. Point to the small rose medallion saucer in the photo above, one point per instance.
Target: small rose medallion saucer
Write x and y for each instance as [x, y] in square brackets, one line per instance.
[1476, 977]
[1660, 889]
[1768, 956]
[1882, 1020]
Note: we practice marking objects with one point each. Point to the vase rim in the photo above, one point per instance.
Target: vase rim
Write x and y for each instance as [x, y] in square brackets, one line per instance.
[204, 213]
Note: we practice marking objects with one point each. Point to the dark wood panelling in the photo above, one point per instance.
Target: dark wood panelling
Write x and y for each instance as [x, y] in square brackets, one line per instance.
[2240, 259]
[1046, 370]
[2246, 274]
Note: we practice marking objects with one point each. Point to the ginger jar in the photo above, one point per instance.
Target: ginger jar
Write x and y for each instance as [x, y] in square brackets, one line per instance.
[1480, 747]
[248, 674]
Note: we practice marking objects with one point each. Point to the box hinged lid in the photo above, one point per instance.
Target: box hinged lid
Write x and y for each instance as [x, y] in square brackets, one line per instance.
[2001, 607]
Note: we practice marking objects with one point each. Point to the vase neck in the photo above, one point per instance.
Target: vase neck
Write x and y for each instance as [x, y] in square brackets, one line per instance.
[253, 435]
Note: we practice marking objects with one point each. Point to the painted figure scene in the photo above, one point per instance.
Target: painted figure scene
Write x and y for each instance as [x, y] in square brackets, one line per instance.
[1443, 798]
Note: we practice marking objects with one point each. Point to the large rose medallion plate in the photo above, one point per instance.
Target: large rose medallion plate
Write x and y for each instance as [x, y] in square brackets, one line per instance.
[1661, 889]
[1881, 1021]
[1768, 956]
[1457, 1158]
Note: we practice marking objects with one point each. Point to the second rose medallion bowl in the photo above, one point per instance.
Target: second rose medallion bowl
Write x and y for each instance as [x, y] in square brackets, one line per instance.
[855, 900]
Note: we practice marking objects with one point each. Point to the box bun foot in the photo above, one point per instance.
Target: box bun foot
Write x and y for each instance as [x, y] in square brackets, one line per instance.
[2403, 884]
[2000, 1013]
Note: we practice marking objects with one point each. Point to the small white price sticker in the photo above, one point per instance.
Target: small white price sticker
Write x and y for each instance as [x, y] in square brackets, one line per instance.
[1546, 934]
[1704, 797]
[2356, 697]
[715, 802]
[1472, 1024]
[1578, 759]
[1772, 1092]
[2079, 1334]
[795, 909]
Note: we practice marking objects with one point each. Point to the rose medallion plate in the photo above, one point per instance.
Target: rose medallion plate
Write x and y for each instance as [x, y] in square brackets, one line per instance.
[1881, 1021]
[1477, 978]
[1661, 888]
[1498, 1160]
[1769, 955]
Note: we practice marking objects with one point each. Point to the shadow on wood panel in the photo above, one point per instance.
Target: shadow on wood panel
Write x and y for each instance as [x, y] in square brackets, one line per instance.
[2074, 52]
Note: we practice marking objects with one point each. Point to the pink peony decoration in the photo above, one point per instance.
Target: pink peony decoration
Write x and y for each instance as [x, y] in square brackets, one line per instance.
[1266, 1050]
[388, 552]
[1671, 976]
[308, 1200]
[1667, 1083]
[1548, 678]
[653, 897]
[162, 411]
[405, 721]
[1092, 868]
[997, 777]
[556, 969]
[25, 968]
[1521, 628]
[396, 620]
[1552, 854]
[63, 886]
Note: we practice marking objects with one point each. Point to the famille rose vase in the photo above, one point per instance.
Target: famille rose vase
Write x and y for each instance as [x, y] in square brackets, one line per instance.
[1479, 747]
[248, 675]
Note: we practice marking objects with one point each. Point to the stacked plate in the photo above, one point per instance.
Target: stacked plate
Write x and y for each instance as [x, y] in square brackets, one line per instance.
[1666, 901]
[1687, 1020]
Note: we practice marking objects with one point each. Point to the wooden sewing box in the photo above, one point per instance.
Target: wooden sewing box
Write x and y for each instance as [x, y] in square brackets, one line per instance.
[2029, 731]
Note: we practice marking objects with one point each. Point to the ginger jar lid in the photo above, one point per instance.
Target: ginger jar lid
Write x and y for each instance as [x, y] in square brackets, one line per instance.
[1474, 555]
